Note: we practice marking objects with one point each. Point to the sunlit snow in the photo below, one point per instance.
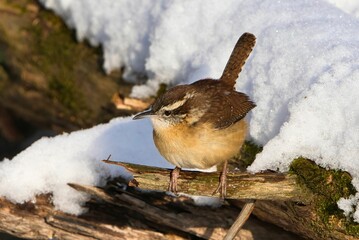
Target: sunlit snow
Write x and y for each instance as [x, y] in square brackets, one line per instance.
[50, 163]
[303, 76]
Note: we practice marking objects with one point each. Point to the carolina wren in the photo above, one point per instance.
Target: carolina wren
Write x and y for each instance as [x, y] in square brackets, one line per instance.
[202, 124]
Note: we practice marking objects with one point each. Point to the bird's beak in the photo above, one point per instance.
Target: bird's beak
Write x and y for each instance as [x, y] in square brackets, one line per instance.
[144, 114]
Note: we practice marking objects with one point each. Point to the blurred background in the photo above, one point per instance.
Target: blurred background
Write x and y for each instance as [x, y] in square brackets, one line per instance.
[49, 83]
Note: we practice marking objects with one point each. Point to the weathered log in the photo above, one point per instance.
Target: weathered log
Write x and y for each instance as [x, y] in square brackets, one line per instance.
[303, 202]
[241, 185]
[42, 221]
[135, 213]
[117, 214]
[185, 221]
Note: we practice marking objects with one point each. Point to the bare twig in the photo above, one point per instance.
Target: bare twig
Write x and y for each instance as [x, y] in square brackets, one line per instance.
[241, 220]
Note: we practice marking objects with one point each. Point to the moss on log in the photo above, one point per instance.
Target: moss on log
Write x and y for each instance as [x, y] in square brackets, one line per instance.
[47, 78]
[328, 186]
[268, 186]
[304, 201]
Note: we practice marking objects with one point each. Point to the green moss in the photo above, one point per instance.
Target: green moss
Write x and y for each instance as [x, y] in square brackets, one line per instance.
[161, 89]
[352, 228]
[328, 186]
[245, 157]
[58, 55]
[248, 152]
[65, 91]
[18, 5]
[332, 184]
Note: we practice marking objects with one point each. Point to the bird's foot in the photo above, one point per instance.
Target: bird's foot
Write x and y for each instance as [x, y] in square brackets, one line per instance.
[222, 186]
[172, 187]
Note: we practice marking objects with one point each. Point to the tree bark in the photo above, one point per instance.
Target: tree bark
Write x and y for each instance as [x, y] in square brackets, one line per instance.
[282, 199]
[115, 213]
[241, 185]
[42, 221]
[135, 213]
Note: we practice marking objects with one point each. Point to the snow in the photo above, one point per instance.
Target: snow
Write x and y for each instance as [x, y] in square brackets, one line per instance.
[50, 163]
[348, 6]
[347, 205]
[303, 75]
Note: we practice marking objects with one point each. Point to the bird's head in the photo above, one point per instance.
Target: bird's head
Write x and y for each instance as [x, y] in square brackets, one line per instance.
[174, 107]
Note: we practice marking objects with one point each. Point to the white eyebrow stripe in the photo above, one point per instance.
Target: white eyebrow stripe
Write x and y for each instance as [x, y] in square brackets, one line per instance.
[178, 104]
[174, 105]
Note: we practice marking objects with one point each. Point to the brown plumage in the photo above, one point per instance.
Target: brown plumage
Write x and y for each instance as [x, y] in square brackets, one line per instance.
[223, 105]
[240, 53]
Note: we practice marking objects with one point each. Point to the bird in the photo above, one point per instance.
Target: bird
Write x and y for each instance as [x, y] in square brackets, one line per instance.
[201, 125]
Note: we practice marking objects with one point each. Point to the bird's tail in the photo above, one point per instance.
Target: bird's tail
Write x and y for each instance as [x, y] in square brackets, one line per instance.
[240, 53]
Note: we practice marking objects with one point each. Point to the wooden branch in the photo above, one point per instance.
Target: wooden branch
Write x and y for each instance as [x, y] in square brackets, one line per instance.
[42, 221]
[263, 186]
[241, 185]
[118, 214]
[196, 225]
[136, 214]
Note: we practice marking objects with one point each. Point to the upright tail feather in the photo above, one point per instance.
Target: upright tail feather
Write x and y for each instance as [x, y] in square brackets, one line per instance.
[240, 53]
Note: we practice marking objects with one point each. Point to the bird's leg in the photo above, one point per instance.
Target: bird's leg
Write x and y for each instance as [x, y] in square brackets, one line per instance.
[222, 185]
[172, 187]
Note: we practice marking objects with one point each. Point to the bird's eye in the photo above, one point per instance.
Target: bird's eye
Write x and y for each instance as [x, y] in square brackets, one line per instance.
[167, 113]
